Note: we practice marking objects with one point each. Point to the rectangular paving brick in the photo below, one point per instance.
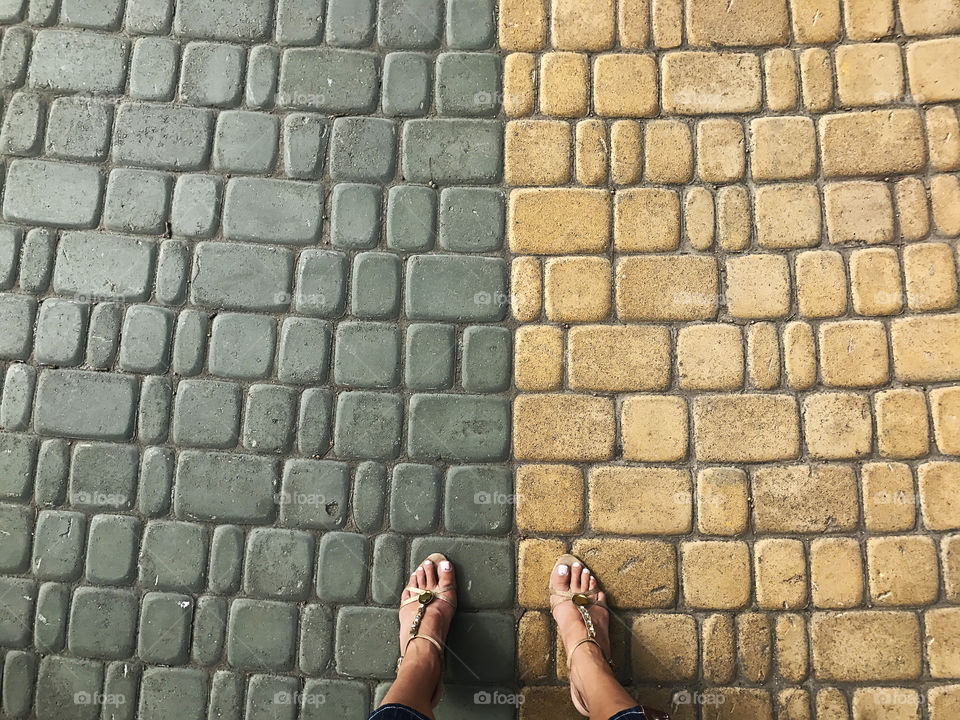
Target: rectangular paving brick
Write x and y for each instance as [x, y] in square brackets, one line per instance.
[39, 192]
[449, 151]
[266, 210]
[161, 136]
[746, 428]
[330, 80]
[76, 61]
[875, 142]
[456, 288]
[870, 645]
[458, 427]
[225, 487]
[81, 268]
[241, 277]
[696, 83]
[224, 19]
[81, 404]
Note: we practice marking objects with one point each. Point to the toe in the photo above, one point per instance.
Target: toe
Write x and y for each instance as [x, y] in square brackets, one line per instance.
[593, 583]
[445, 568]
[584, 580]
[575, 573]
[421, 577]
[561, 577]
[430, 572]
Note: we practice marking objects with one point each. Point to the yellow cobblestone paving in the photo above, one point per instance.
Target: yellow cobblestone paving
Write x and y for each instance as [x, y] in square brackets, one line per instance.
[734, 234]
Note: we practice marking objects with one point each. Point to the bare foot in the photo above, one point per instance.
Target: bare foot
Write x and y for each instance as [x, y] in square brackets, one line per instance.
[430, 575]
[570, 622]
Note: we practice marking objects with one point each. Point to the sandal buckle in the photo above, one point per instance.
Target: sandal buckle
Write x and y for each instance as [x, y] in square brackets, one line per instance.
[425, 597]
[581, 600]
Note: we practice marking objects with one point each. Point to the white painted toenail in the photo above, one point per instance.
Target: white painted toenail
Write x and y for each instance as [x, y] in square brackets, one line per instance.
[446, 566]
[563, 570]
[427, 562]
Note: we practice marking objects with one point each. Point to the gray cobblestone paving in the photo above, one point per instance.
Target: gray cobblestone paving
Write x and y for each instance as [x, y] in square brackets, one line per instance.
[250, 282]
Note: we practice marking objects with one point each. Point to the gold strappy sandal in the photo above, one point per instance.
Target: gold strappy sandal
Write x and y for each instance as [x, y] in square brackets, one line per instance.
[583, 601]
[424, 598]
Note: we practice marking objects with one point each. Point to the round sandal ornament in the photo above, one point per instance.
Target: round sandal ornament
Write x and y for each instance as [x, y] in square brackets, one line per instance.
[581, 600]
[425, 597]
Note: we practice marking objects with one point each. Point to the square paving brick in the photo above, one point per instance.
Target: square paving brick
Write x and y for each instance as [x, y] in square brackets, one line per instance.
[103, 475]
[355, 216]
[103, 623]
[206, 413]
[304, 355]
[363, 149]
[406, 83]
[468, 84]
[342, 562]
[268, 418]
[278, 564]
[164, 636]
[471, 219]
[241, 346]
[367, 355]
[173, 556]
[261, 635]
[430, 356]
[314, 494]
[414, 498]
[411, 218]
[376, 286]
[367, 425]
[112, 549]
[61, 682]
[177, 691]
[478, 500]
[58, 545]
[366, 642]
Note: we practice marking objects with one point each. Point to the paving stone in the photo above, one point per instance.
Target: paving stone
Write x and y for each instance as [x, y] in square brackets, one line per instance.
[75, 403]
[430, 356]
[36, 260]
[474, 559]
[148, 17]
[458, 427]
[314, 494]
[367, 355]
[367, 425]
[173, 261]
[467, 84]
[305, 145]
[145, 339]
[210, 74]
[350, 23]
[103, 475]
[70, 61]
[313, 432]
[276, 211]
[452, 151]
[121, 681]
[269, 418]
[342, 567]
[224, 20]
[70, 198]
[209, 626]
[299, 22]
[414, 498]
[10, 240]
[224, 487]
[482, 662]
[78, 129]
[363, 149]
[196, 205]
[690, 81]
[262, 68]
[22, 130]
[304, 355]
[41, 12]
[14, 51]
[369, 496]
[137, 201]
[471, 219]
[165, 620]
[160, 136]
[17, 401]
[102, 623]
[237, 276]
[478, 500]
[226, 557]
[173, 556]
[321, 283]
[62, 681]
[153, 67]
[316, 639]
[342, 697]
[241, 346]
[406, 84]
[328, 80]
[375, 290]
[79, 270]
[365, 642]
[50, 627]
[278, 564]
[226, 695]
[156, 481]
[486, 360]
[112, 549]
[261, 634]
[272, 696]
[189, 342]
[15, 613]
[411, 218]
[456, 288]
[355, 216]
[387, 578]
[17, 523]
[53, 464]
[18, 673]
[470, 24]
[102, 15]
[103, 340]
[245, 142]
[17, 313]
[178, 691]
[409, 23]
[207, 414]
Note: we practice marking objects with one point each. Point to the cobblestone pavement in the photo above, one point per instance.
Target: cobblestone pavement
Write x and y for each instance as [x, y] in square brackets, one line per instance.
[261, 345]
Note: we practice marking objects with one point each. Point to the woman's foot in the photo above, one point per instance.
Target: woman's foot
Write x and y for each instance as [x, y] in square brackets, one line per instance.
[435, 574]
[576, 578]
